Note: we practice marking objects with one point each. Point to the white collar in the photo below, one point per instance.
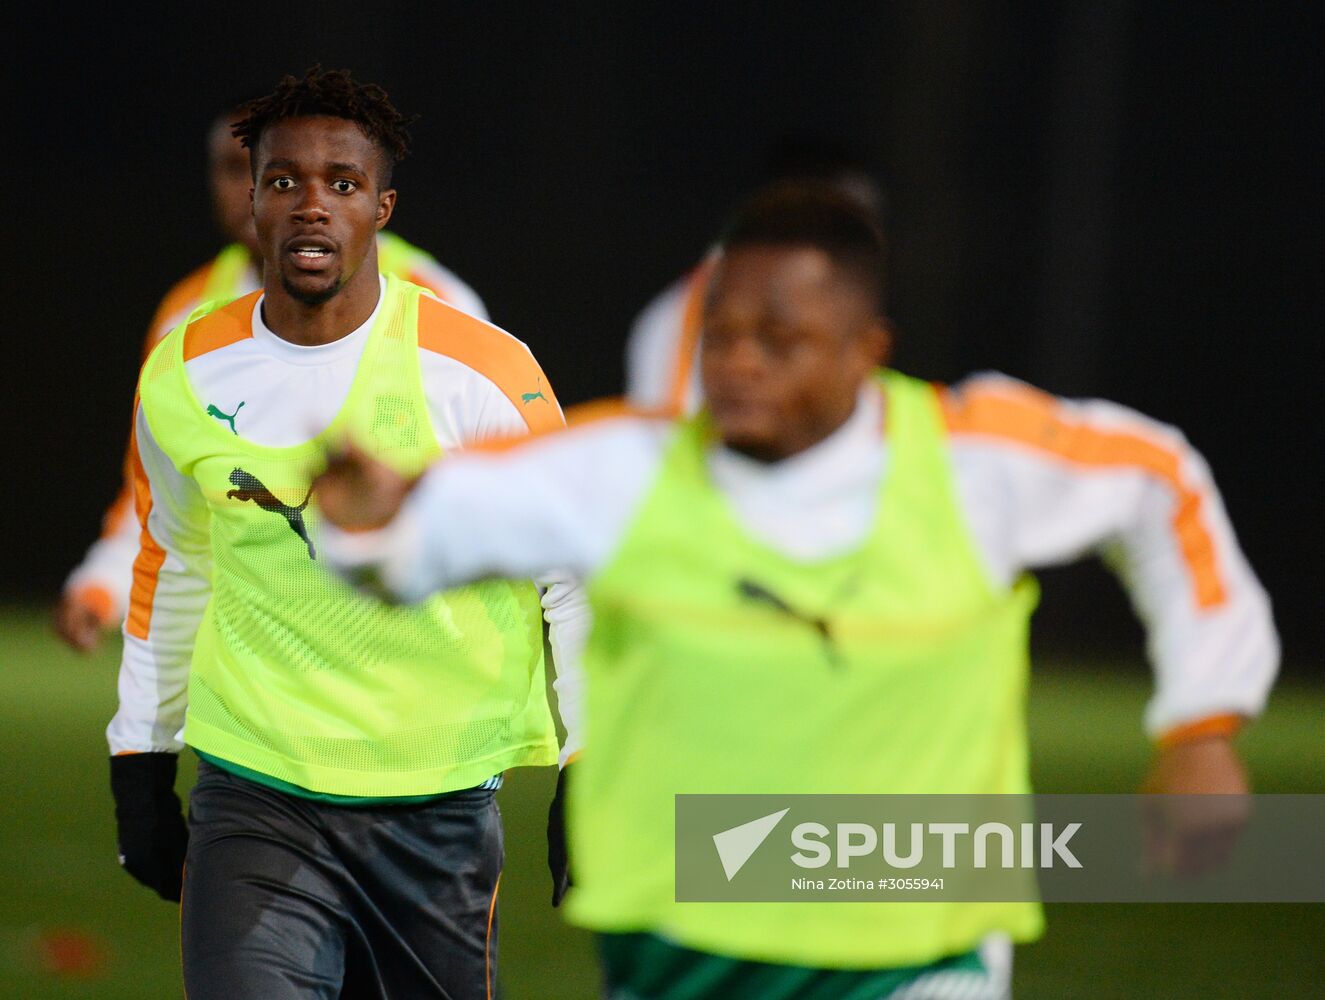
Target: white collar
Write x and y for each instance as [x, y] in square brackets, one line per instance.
[317, 354]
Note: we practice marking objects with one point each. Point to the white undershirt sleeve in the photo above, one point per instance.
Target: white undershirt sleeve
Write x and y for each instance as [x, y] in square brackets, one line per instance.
[559, 502]
[154, 670]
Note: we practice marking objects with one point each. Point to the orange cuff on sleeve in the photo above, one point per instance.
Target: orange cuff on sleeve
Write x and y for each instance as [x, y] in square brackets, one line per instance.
[1227, 724]
[99, 601]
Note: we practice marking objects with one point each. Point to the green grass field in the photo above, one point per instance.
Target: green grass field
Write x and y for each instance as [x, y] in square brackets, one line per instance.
[73, 926]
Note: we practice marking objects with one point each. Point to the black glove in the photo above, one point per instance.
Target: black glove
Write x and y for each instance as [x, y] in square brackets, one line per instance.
[556, 841]
[149, 821]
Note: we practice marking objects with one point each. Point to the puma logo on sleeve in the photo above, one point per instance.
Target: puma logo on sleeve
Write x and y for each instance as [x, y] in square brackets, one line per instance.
[528, 397]
[249, 487]
[214, 411]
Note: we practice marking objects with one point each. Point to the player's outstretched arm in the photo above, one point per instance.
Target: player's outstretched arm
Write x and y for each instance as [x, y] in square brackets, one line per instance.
[1047, 480]
[556, 503]
[95, 596]
[96, 593]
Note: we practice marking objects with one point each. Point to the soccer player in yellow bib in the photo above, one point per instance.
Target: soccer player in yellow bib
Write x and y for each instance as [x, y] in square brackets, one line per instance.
[818, 584]
[343, 838]
[96, 592]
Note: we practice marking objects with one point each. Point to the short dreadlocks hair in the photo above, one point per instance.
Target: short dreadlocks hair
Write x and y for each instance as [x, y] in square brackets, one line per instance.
[332, 92]
[818, 216]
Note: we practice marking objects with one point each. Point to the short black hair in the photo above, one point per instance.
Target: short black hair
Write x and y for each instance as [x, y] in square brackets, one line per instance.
[331, 92]
[817, 216]
[812, 159]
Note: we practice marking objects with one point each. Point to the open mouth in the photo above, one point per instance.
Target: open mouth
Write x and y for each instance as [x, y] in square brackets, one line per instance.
[310, 252]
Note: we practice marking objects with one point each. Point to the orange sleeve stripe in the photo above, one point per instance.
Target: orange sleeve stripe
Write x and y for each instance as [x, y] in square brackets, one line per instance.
[1189, 732]
[495, 355]
[595, 410]
[221, 328]
[182, 297]
[692, 324]
[431, 282]
[118, 510]
[578, 417]
[151, 557]
[1035, 419]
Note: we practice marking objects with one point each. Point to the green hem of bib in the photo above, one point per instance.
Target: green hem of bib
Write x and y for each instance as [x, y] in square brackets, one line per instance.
[289, 788]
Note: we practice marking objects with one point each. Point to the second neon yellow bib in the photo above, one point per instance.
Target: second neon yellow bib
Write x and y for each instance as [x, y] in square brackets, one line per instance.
[295, 675]
[717, 665]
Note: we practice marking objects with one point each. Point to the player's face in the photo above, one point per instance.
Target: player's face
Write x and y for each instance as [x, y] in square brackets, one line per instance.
[231, 181]
[787, 343]
[317, 205]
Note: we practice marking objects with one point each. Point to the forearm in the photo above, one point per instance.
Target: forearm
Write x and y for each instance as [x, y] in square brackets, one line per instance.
[554, 503]
[566, 609]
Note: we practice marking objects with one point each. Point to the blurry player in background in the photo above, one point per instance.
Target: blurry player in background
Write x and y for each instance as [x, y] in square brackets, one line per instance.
[819, 584]
[343, 838]
[95, 595]
[663, 346]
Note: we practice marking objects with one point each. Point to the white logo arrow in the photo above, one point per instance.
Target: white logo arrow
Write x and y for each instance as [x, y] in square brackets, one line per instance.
[737, 844]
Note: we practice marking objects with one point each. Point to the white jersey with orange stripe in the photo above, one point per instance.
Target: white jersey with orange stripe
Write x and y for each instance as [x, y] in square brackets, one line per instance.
[662, 370]
[105, 573]
[275, 393]
[1041, 480]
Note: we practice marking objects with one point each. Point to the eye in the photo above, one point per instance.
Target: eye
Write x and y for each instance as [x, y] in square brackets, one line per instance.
[283, 183]
[343, 186]
[714, 336]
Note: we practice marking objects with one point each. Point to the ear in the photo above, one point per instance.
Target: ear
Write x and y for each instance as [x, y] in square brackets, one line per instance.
[386, 204]
[876, 343]
[884, 347]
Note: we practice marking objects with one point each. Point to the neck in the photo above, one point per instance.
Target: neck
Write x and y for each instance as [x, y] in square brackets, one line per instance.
[799, 442]
[311, 325]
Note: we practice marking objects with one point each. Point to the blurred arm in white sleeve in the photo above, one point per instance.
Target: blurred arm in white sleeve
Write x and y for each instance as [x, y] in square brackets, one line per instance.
[1044, 480]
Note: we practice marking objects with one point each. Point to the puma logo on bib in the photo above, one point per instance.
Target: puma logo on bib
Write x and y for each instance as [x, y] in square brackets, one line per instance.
[250, 487]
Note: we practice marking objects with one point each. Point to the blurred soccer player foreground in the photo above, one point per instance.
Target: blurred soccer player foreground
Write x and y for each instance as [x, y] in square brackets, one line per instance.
[818, 584]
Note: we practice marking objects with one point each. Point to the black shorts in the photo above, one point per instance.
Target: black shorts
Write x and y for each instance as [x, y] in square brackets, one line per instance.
[288, 898]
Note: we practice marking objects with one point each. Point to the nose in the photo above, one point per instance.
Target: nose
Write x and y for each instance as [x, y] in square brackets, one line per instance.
[311, 206]
[744, 355]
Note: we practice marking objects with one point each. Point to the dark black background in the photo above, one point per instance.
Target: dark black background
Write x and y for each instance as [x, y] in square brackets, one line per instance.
[1104, 199]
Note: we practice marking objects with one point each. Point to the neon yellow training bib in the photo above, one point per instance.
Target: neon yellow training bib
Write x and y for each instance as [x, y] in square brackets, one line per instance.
[697, 683]
[296, 676]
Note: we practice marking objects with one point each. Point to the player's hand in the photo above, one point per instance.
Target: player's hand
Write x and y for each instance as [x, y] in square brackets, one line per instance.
[557, 862]
[359, 493]
[1202, 805]
[149, 821]
[78, 623]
